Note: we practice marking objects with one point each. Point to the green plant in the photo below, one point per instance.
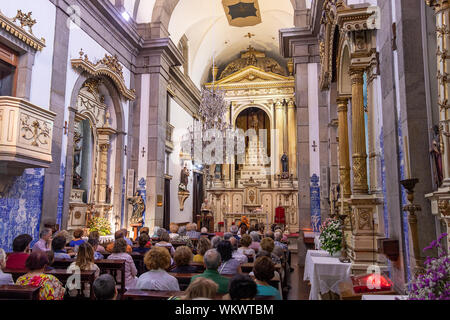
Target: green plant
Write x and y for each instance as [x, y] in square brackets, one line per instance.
[331, 236]
[100, 224]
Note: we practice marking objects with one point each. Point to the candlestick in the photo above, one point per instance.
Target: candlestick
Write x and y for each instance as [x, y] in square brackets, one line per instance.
[406, 158]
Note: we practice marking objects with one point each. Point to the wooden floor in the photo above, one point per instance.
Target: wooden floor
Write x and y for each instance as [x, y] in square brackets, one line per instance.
[299, 288]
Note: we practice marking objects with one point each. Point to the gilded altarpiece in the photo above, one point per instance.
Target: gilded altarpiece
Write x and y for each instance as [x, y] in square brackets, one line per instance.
[260, 95]
[91, 193]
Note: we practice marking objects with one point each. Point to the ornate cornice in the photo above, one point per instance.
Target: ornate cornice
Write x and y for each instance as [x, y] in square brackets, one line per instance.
[438, 5]
[110, 67]
[19, 32]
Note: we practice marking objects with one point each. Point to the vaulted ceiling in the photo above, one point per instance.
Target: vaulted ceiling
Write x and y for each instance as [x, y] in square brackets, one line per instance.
[209, 33]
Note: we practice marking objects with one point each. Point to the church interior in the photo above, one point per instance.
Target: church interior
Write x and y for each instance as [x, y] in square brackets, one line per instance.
[224, 150]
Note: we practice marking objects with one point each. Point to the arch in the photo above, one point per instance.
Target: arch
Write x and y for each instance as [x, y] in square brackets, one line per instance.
[163, 9]
[242, 108]
[344, 85]
[117, 104]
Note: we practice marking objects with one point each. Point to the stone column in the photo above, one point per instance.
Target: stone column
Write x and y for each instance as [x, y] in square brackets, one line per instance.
[359, 154]
[155, 60]
[440, 199]
[344, 157]
[279, 115]
[292, 138]
[363, 247]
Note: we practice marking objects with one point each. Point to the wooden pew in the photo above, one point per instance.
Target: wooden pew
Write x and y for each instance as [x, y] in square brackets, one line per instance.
[248, 267]
[135, 294]
[138, 259]
[13, 292]
[61, 274]
[105, 265]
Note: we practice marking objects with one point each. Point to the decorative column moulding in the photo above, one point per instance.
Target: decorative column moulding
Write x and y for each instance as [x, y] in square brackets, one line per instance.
[25, 138]
[110, 67]
[336, 14]
[19, 32]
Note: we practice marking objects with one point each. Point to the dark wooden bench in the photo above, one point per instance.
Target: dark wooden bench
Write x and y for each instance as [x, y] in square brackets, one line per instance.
[13, 292]
[105, 265]
[138, 259]
[86, 277]
[135, 294]
[248, 267]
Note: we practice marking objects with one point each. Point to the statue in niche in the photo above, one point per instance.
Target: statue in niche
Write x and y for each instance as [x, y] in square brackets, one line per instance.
[77, 139]
[436, 155]
[184, 179]
[218, 171]
[285, 163]
[108, 194]
[138, 208]
[254, 121]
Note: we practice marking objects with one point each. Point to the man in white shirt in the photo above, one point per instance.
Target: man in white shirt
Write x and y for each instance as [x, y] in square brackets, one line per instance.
[45, 241]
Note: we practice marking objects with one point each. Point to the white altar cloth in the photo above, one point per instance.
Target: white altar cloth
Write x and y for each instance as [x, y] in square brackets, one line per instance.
[325, 273]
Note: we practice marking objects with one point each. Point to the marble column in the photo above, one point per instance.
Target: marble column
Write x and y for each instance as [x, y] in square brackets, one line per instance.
[359, 154]
[344, 157]
[102, 172]
[292, 138]
[280, 131]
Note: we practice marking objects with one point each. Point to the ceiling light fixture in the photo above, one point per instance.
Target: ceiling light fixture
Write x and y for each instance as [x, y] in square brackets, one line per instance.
[126, 16]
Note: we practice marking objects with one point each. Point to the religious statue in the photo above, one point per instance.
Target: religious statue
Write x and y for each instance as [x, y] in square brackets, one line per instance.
[138, 208]
[77, 179]
[108, 194]
[436, 155]
[254, 121]
[206, 206]
[285, 163]
[205, 219]
[218, 171]
[184, 179]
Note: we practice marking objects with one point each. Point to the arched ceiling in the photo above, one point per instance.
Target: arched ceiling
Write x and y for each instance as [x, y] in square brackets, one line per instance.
[209, 33]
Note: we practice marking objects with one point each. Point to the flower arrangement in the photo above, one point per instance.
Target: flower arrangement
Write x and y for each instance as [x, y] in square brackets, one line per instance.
[100, 224]
[331, 236]
[434, 283]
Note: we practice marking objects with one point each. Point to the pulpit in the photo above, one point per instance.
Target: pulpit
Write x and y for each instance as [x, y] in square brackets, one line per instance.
[136, 227]
[205, 220]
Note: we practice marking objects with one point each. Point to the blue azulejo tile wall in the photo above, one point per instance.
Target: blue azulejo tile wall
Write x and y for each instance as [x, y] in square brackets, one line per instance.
[21, 207]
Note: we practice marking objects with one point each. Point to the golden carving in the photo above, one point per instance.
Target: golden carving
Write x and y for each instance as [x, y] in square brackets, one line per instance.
[251, 57]
[35, 131]
[25, 20]
[112, 62]
[110, 67]
[19, 32]
[444, 208]
[360, 173]
[438, 5]
[92, 85]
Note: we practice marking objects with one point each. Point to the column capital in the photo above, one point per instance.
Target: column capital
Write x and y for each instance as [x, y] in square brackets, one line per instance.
[342, 104]
[357, 75]
[438, 5]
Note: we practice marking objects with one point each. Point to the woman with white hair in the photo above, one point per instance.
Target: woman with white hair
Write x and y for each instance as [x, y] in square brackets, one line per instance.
[255, 245]
[5, 278]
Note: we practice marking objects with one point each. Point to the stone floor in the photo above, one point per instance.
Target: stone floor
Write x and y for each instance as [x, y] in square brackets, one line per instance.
[299, 288]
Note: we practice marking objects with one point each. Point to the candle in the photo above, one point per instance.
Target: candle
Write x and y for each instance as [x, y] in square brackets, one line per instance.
[406, 158]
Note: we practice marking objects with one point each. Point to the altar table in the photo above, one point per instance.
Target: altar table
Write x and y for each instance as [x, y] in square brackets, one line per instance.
[325, 273]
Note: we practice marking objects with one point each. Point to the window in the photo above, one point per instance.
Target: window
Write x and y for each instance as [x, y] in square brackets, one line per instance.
[8, 71]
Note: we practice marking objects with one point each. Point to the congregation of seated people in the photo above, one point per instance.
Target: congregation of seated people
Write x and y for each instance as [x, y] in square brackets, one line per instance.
[213, 267]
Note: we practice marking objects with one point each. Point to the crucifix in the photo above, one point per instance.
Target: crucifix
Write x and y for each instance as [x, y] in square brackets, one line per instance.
[66, 127]
[249, 35]
[143, 152]
[314, 145]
